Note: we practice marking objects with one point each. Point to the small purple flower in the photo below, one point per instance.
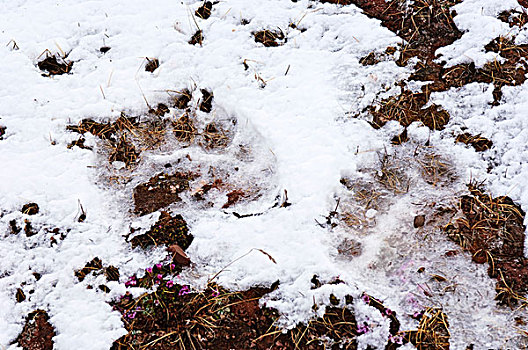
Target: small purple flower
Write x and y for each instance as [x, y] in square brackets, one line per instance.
[172, 266]
[159, 276]
[131, 315]
[184, 290]
[170, 284]
[388, 312]
[159, 266]
[396, 339]
[215, 293]
[365, 298]
[364, 328]
[149, 269]
[130, 282]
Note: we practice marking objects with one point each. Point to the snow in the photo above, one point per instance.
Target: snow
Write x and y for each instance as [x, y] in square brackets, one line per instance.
[304, 139]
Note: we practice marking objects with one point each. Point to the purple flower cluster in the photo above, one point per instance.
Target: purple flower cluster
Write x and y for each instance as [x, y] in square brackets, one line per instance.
[364, 328]
[365, 298]
[131, 282]
[184, 290]
[396, 339]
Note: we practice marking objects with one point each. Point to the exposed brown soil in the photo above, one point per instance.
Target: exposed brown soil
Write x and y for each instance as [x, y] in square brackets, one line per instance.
[214, 137]
[79, 143]
[427, 25]
[30, 208]
[14, 227]
[514, 18]
[269, 38]
[181, 101]
[28, 228]
[123, 151]
[95, 266]
[204, 11]
[206, 104]
[432, 333]
[184, 129]
[104, 131]
[167, 231]
[152, 64]
[197, 38]
[479, 143]
[407, 108]
[55, 65]
[160, 110]
[161, 191]
[233, 197]
[492, 230]
[216, 318]
[20, 296]
[37, 333]
[401, 138]
[337, 2]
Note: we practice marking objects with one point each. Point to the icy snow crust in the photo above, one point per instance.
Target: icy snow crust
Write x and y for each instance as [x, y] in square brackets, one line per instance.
[305, 139]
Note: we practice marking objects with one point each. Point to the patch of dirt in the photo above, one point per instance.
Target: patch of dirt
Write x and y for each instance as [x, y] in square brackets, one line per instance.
[161, 191]
[30, 209]
[115, 133]
[407, 108]
[425, 25]
[167, 231]
[184, 129]
[220, 319]
[492, 230]
[95, 266]
[270, 38]
[152, 64]
[206, 104]
[204, 11]
[79, 143]
[182, 99]
[20, 296]
[514, 18]
[28, 228]
[104, 131]
[197, 38]
[214, 137]
[432, 332]
[2, 132]
[479, 143]
[233, 197]
[37, 333]
[160, 110]
[337, 2]
[14, 227]
[55, 65]
[123, 151]
[377, 57]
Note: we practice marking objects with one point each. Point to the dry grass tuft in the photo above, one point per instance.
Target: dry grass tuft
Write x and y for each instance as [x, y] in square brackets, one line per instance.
[407, 108]
[492, 230]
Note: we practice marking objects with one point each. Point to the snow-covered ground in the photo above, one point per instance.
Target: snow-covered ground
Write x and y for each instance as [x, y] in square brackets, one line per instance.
[303, 139]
